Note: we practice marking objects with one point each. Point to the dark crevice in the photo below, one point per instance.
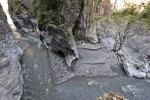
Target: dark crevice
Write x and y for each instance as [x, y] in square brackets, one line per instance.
[122, 39]
[60, 53]
[41, 37]
[78, 21]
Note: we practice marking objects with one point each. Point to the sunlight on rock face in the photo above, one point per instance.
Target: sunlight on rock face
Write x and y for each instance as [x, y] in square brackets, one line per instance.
[122, 4]
[4, 4]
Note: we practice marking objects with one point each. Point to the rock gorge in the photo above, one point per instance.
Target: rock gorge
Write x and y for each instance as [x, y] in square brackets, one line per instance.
[76, 38]
[98, 22]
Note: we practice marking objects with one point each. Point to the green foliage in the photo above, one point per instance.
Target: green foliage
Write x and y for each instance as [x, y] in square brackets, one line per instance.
[129, 13]
[80, 3]
[2, 17]
[25, 5]
[48, 12]
[132, 15]
[13, 5]
[146, 15]
[131, 10]
[68, 35]
[1, 11]
[91, 8]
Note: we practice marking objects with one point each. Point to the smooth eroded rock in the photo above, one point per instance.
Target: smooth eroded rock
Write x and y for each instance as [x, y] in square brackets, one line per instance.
[136, 56]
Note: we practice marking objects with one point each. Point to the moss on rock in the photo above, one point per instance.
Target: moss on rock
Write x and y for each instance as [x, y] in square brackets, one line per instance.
[1, 12]
[49, 12]
[131, 14]
[13, 5]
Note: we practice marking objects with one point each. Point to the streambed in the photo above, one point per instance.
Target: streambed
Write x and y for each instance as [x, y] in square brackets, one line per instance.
[38, 81]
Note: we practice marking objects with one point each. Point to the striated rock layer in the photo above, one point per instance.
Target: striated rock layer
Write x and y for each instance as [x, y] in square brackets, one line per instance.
[11, 81]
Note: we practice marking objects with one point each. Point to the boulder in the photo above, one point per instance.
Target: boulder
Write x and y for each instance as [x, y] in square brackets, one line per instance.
[129, 41]
[59, 25]
[135, 56]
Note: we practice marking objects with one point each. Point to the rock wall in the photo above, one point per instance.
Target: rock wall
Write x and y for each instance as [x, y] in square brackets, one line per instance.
[85, 24]
[69, 27]
[11, 82]
[130, 41]
[93, 9]
[59, 23]
[74, 20]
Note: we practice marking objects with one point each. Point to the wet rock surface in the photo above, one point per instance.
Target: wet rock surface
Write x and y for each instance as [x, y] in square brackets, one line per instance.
[39, 80]
[90, 88]
[106, 58]
[101, 64]
[38, 83]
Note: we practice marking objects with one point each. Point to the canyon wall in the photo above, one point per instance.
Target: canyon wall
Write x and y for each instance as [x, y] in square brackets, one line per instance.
[11, 81]
[69, 27]
[83, 37]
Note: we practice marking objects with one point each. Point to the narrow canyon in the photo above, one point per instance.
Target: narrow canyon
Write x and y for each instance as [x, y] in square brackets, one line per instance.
[74, 49]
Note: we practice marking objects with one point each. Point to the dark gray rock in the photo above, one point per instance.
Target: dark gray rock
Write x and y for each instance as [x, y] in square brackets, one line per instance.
[26, 24]
[59, 25]
[11, 81]
[62, 43]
